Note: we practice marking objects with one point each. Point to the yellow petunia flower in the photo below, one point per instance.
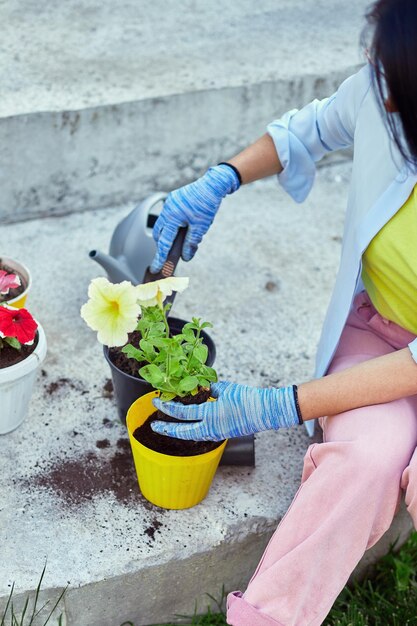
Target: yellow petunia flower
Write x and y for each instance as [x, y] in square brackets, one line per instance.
[112, 310]
[154, 293]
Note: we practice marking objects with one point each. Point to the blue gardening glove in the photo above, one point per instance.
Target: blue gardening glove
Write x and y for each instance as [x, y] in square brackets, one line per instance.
[239, 410]
[194, 206]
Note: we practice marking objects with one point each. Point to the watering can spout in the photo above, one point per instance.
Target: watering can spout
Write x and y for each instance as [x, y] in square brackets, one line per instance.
[132, 247]
[117, 271]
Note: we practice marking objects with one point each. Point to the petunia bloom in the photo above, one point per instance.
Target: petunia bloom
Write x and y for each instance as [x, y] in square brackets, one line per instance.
[112, 310]
[7, 282]
[17, 323]
[154, 293]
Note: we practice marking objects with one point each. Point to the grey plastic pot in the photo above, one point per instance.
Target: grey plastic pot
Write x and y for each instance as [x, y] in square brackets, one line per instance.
[129, 388]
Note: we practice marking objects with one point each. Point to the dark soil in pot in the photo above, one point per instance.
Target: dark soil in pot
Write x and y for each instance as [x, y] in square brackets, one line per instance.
[170, 445]
[13, 293]
[122, 361]
[10, 356]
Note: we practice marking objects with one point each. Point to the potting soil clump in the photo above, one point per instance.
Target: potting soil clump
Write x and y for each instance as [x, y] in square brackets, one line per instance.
[11, 356]
[170, 445]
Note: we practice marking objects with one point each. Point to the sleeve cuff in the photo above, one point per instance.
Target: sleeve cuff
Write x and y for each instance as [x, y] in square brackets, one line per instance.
[413, 349]
[299, 171]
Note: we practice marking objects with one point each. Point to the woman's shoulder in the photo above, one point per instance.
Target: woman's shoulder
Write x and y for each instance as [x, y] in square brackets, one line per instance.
[353, 91]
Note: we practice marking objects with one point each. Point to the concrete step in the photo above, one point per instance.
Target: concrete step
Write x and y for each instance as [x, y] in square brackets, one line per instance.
[102, 103]
[69, 493]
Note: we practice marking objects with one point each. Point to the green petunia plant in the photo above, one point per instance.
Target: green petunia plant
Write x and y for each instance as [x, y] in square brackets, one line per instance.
[173, 364]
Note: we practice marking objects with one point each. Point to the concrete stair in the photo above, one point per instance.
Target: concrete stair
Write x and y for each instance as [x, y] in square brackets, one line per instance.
[102, 103]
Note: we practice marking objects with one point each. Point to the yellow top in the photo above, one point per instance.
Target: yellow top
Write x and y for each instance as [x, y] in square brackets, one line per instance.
[389, 267]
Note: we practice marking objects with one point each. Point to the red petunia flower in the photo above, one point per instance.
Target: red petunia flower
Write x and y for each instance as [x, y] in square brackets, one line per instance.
[17, 323]
[7, 282]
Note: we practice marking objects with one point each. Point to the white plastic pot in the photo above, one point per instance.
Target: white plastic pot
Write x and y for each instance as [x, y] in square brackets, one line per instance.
[16, 385]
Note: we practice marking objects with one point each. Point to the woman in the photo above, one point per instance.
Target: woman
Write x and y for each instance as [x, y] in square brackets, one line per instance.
[366, 372]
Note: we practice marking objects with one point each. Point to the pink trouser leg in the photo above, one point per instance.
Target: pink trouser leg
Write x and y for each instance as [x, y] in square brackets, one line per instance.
[409, 484]
[349, 493]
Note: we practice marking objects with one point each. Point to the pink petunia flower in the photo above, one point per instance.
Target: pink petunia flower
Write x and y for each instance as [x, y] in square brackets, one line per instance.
[17, 323]
[7, 282]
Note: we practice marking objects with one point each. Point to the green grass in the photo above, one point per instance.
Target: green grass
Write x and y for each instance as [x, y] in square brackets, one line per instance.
[388, 598]
[28, 616]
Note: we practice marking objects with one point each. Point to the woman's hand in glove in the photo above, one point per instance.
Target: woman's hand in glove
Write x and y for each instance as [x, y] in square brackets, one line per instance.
[237, 411]
[195, 207]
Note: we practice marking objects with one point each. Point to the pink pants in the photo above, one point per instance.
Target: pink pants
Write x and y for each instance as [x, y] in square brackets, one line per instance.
[349, 494]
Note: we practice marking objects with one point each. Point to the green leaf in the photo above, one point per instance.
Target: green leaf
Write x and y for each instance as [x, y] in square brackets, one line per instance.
[171, 348]
[13, 342]
[142, 325]
[149, 352]
[177, 351]
[191, 368]
[152, 374]
[160, 342]
[209, 373]
[161, 359]
[133, 353]
[166, 396]
[175, 367]
[201, 353]
[157, 330]
[188, 333]
[188, 383]
[153, 314]
[146, 345]
[206, 325]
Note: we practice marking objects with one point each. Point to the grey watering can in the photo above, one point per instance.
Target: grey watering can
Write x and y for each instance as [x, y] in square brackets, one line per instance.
[132, 247]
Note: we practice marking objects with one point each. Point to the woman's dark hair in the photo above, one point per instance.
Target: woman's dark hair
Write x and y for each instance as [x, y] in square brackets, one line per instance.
[393, 52]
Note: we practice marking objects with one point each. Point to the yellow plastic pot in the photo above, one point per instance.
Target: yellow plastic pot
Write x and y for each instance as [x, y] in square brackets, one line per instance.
[171, 482]
[20, 301]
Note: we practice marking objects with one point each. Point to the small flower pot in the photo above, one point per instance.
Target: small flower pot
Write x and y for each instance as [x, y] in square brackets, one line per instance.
[16, 385]
[170, 482]
[19, 301]
[128, 388]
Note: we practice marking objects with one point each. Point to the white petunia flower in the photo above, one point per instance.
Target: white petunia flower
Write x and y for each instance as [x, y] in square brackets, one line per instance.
[154, 293]
[112, 310]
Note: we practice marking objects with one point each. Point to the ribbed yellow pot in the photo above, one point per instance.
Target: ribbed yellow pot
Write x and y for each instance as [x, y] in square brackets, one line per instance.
[171, 482]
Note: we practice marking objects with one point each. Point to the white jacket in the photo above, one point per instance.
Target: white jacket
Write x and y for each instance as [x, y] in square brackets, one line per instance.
[381, 182]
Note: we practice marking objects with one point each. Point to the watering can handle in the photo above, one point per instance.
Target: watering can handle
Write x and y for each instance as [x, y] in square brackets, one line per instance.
[172, 260]
[152, 200]
[170, 264]
[174, 254]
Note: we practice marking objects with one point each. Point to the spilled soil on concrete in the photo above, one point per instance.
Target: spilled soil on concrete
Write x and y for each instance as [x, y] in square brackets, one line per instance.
[105, 470]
